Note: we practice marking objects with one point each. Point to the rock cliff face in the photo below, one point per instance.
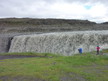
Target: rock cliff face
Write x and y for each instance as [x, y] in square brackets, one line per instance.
[66, 43]
[5, 43]
[20, 25]
[10, 27]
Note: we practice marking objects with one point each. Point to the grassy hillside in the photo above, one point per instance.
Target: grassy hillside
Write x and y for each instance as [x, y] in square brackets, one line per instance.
[30, 21]
[46, 25]
[81, 67]
[19, 25]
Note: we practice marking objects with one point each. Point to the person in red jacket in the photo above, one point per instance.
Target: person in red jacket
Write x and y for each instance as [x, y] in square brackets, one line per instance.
[98, 48]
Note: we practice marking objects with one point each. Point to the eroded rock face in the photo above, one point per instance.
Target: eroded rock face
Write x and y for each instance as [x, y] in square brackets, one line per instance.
[66, 43]
[5, 44]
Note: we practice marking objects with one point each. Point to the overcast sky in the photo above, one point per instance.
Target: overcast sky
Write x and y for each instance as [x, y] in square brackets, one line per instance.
[93, 10]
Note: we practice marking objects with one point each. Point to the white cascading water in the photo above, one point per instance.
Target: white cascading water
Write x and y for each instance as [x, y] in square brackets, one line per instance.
[66, 43]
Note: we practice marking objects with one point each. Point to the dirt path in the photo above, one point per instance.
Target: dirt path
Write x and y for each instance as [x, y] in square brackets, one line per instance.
[15, 56]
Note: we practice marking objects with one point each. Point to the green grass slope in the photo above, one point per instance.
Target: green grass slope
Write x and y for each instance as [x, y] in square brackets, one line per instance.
[80, 67]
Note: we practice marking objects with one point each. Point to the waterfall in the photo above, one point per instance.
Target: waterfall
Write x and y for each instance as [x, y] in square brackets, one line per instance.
[66, 43]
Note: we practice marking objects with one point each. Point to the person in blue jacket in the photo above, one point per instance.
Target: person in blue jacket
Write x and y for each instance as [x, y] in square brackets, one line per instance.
[80, 50]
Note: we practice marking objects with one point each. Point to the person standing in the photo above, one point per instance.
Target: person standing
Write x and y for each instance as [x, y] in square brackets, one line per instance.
[98, 48]
[80, 50]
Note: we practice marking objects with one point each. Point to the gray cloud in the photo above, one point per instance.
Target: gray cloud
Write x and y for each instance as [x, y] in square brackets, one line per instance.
[91, 1]
[53, 8]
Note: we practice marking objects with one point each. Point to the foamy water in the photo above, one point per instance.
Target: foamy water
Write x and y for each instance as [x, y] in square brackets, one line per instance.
[66, 43]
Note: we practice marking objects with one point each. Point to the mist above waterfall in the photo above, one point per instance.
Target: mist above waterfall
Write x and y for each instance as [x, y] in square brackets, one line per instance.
[66, 43]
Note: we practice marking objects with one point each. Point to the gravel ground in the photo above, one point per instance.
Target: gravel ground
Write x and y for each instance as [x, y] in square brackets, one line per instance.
[15, 56]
